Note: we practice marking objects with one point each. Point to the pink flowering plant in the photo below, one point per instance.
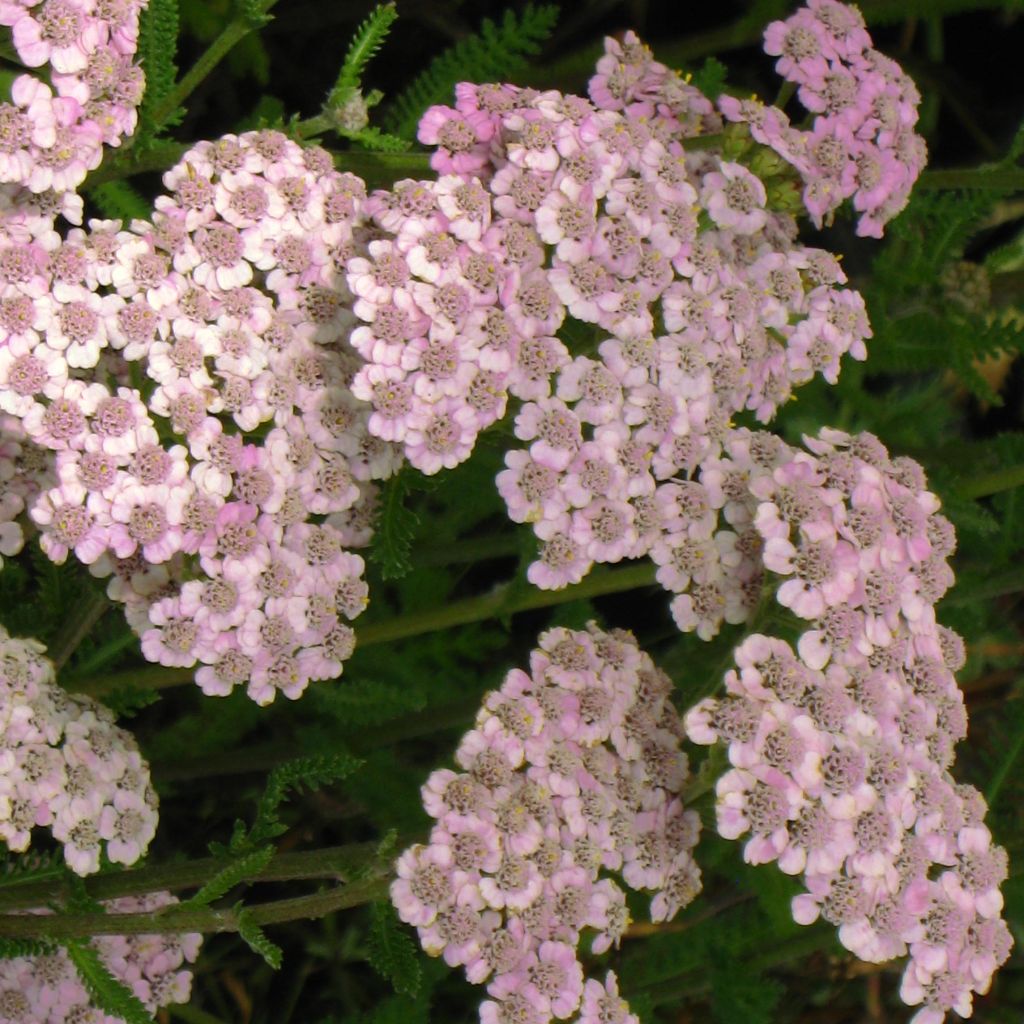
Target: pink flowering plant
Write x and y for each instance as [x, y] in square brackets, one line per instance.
[346, 459]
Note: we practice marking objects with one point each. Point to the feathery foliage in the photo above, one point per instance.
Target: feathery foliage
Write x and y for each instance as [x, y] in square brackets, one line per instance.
[310, 772]
[256, 939]
[117, 200]
[495, 53]
[392, 952]
[109, 994]
[11, 948]
[365, 44]
[395, 528]
[158, 44]
[242, 870]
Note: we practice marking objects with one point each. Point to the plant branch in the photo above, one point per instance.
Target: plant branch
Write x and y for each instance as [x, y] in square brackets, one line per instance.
[1010, 179]
[205, 920]
[337, 862]
[230, 36]
[1005, 479]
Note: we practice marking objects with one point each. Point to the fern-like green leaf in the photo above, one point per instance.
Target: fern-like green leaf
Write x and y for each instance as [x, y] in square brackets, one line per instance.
[395, 528]
[117, 200]
[710, 79]
[109, 994]
[127, 701]
[391, 952]
[11, 948]
[742, 997]
[158, 44]
[77, 899]
[367, 41]
[496, 53]
[242, 870]
[256, 939]
[374, 140]
[255, 12]
[360, 702]
[311, 772]
[33, 866]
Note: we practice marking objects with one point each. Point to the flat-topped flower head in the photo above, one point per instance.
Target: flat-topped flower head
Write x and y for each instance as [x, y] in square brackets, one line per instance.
[572, 769]
[72, 769]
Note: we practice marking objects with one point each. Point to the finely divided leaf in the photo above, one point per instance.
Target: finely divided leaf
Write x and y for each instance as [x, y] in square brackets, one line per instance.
[710, 79]
[109, 994]
[117, 200]
[395, 529]
[242, 870]
[392, 952]
[256, 939]
[158, 43]
[742, 997]
[367, 41]
[495, 54]
[11, 948]
[312, 772]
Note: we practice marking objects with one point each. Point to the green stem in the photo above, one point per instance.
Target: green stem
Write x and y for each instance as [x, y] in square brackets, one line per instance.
[336, 862]
[709, 141]
[205, 920]
[231, 35]
[1007, 763]
[507, 599]
[1005, 479]
[458, 552]
[77, 626]
[1001, 178]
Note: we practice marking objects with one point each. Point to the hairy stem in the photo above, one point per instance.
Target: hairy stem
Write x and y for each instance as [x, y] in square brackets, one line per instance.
[205, 920]
[336, 862]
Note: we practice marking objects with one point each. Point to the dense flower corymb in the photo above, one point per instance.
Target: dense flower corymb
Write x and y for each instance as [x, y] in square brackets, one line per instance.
[572, 770]
[841, 749]
[226, 503]
[861, 145]
[67, 767]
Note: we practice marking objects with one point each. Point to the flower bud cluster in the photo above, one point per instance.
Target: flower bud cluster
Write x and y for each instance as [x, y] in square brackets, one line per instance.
[226, 502]
[572, 769]
[67, 767]
[861, 144]
[46, 989]
[841, 750]
[52, 135]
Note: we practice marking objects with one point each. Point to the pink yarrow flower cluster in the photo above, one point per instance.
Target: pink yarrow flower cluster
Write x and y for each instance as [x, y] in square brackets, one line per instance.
[24, 470]
[46, 989]
[67, 767]
[572, 769]
[841, 749]
[862, 144]
[552, 212]
[52, 135]
[225, 505]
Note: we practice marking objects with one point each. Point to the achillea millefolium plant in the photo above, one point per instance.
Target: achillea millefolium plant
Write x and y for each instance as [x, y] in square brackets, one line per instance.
[388, 426]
